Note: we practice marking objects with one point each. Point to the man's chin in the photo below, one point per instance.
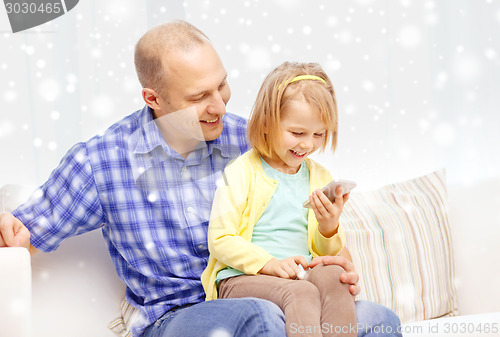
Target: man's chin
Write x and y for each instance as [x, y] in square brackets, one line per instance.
[212, 134]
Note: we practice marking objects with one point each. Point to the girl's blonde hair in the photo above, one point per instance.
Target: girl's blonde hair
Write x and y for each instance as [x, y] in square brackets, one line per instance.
[264, 131]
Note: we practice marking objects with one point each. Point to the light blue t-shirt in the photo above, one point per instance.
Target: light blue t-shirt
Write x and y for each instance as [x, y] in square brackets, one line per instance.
[282, 228]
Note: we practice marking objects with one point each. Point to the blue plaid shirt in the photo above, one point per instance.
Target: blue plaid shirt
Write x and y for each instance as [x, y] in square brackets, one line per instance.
[152, 205]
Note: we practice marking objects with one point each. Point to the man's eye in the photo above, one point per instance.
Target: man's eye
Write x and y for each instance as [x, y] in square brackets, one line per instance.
[198, 99]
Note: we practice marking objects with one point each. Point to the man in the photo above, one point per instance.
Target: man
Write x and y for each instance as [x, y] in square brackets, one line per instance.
[148, 183]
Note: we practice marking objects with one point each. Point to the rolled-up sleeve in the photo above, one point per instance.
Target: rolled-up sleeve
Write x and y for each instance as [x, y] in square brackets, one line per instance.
[66, 205]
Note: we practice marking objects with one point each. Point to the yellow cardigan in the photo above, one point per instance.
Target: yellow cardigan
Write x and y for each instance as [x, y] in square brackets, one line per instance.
[240, 200]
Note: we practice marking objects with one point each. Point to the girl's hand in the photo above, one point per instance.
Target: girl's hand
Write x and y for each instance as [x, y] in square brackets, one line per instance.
[285, 268]
[328, 213]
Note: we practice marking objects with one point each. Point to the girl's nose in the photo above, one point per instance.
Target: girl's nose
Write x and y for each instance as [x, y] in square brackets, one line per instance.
[306, 143]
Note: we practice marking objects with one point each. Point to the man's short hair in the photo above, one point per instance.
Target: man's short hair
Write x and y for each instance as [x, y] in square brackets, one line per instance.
[150, 51]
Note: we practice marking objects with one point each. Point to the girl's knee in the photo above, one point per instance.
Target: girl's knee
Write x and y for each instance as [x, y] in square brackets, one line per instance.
[301, 291]
[327, 278]
[330, 273]
[334, 271]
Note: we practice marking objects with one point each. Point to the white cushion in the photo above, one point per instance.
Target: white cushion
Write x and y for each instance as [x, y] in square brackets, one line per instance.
[400, 240]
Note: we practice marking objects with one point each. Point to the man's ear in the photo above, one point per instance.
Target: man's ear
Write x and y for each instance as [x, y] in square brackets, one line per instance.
[151, 97]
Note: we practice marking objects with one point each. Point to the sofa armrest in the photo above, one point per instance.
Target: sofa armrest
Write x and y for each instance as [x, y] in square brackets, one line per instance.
[15, 292]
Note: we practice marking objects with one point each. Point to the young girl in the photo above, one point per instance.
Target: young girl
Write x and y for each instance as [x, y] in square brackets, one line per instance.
[260, 236]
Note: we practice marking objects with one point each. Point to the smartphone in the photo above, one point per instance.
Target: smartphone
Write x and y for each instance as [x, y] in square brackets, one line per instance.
[329, 189]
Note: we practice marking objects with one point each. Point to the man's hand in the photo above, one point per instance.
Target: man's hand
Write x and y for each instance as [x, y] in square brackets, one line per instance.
[286, 268]
[349, 277]
[13, 233]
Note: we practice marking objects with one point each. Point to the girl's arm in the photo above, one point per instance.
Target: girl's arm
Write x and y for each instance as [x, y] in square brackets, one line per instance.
[327, 238]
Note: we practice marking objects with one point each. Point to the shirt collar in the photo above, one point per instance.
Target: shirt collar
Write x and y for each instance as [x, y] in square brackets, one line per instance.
[147, 137]
[222, 143]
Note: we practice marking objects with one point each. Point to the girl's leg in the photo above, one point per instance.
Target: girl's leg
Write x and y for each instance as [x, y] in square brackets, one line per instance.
[338, 313]
[299, 300]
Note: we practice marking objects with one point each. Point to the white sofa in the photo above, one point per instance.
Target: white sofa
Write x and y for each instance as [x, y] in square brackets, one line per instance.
[75, 292]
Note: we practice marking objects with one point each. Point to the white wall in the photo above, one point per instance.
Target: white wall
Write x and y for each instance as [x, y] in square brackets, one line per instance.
[416, 80]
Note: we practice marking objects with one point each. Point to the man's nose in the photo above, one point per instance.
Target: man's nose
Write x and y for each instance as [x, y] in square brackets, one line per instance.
[217, 106]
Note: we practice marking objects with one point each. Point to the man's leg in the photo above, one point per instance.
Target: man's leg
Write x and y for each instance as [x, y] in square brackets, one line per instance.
[238, 317]
[375, 320]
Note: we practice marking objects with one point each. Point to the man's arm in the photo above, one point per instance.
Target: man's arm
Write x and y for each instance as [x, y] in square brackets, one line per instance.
[13, 233]
[67, 204]
[345, 253]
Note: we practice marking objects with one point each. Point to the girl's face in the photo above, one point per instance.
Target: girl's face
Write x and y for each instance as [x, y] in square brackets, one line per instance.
[302, 134]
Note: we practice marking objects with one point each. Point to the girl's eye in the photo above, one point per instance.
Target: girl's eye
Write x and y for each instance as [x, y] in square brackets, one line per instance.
[296, 133]
[319, 134]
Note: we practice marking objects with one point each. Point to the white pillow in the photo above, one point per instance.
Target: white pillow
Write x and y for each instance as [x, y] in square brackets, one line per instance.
[400, 242]
[122, 325]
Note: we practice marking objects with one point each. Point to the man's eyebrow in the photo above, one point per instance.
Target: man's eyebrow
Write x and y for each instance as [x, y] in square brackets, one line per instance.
[196, 94]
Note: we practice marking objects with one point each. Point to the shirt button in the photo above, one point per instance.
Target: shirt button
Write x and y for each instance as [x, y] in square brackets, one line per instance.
[184, 169]
[201, 247]
[190, 209]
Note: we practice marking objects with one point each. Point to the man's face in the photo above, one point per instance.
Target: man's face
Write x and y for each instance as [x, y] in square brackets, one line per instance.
[196, 83]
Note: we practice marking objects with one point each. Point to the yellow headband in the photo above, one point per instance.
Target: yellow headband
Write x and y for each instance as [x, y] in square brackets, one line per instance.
[304, 77]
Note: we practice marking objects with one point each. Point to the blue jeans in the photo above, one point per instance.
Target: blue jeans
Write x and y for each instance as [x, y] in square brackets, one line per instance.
[234, 317]
[252, 317]
[375, 320]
